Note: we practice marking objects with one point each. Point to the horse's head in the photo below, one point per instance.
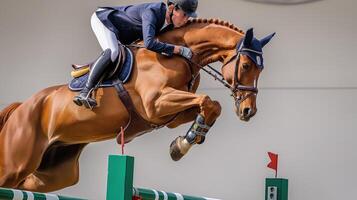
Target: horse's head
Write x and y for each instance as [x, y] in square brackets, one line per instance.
[242, 71]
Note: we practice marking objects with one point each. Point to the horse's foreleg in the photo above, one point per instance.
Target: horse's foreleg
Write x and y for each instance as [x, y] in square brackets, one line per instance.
[173, 101]
[209, 112]
[184, 117]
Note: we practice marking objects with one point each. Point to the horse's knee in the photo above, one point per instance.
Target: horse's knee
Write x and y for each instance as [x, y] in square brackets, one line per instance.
[205, 102]
[73, 179]
[11, 179]
[60, 182]
[7, 180]
[57, 180]
[210, 109]
[42, 182]
[216, 108]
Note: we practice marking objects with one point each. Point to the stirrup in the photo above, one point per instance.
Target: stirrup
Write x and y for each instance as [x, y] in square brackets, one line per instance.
[87, 101]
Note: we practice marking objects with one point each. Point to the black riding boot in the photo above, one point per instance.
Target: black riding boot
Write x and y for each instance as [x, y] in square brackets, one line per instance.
[95, 74]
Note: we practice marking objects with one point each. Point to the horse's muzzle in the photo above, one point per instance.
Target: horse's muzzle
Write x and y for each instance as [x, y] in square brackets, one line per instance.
[245, 113]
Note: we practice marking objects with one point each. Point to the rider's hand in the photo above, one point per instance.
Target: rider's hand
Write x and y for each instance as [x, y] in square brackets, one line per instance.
[184, 52]
[177, 49]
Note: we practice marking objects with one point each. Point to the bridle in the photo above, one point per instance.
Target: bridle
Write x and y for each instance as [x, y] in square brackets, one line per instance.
[237, 87]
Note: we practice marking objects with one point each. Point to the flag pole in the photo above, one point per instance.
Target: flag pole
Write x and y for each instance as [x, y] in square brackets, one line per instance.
[276, 171]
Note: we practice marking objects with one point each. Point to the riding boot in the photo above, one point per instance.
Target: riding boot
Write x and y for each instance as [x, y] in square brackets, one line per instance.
[95, 75]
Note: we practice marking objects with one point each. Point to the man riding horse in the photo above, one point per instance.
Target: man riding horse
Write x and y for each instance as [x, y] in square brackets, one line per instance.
[43, 136]
[114, 26]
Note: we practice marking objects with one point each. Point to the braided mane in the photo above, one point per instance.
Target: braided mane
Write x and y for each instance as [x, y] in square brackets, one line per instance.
[215, 21]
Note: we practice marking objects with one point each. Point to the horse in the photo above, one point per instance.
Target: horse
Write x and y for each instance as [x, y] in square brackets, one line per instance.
[44, 136]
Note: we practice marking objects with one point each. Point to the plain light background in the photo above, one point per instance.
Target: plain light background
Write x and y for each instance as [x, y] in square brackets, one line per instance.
[306, 103]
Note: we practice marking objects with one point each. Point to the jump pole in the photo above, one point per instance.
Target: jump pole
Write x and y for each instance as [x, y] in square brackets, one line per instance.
[12, 194]
[120, 183]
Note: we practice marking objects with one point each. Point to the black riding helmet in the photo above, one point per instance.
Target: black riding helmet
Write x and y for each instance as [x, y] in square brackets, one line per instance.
[188, 6]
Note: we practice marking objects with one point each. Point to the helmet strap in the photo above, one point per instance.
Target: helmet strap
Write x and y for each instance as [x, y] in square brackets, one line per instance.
[171, 14]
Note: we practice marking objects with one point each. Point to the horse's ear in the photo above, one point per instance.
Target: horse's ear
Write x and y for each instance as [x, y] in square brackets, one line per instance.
[265, 40]
[248, 37]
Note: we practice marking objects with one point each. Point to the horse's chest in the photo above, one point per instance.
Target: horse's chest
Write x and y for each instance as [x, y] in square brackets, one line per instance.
[166, 73]
[177, 78]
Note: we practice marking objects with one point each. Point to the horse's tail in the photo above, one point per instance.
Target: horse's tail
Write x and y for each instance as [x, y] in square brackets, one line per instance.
[6, 112]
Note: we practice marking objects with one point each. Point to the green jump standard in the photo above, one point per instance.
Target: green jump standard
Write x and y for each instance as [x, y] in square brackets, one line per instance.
[120, 183]
[281, 185]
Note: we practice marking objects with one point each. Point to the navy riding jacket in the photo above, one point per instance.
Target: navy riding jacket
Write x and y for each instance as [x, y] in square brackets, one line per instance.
[133, 22]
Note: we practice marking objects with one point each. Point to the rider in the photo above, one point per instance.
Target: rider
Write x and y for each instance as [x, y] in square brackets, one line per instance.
[114, 26]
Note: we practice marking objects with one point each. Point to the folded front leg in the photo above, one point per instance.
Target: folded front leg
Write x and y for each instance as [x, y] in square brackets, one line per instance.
[171, 102]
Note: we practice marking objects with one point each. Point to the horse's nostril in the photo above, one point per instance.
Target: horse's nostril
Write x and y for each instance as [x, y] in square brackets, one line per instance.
[246, 112]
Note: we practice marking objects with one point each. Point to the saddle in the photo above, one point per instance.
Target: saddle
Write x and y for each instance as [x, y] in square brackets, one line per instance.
[81, 69]
[122, 71]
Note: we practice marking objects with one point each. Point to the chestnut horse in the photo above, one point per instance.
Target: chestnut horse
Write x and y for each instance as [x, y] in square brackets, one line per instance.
[41, 138]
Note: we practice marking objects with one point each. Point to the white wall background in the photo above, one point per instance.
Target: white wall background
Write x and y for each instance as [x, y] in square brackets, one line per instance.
[307, 111]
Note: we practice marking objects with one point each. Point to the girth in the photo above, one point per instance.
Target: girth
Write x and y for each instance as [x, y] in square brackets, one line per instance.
[136, 123]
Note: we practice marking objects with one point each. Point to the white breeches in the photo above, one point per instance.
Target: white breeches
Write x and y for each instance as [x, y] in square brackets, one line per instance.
[106, 38]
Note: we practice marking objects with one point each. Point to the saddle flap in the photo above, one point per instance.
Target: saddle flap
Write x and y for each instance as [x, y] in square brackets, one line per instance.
[123, 73]
[119, 63]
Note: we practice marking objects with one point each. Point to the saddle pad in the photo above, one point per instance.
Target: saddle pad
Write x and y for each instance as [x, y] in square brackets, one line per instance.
[79, 83]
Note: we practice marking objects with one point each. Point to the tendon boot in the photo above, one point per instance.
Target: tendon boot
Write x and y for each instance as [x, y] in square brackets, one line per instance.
[195, 135]
[96, 75]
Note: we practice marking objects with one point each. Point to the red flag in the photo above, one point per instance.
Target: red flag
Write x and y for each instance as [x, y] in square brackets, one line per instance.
[273, 162]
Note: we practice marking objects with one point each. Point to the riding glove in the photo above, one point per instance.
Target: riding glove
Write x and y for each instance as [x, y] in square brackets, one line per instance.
[186, 52]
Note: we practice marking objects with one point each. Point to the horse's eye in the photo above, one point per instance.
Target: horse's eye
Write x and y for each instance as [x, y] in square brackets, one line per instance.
[245, 66]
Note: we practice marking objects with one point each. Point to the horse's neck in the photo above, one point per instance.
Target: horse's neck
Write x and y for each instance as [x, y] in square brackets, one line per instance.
[209, 41]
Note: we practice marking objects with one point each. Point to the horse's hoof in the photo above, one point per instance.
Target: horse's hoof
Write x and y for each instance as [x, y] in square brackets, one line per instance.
[175, 152]
[178, 148]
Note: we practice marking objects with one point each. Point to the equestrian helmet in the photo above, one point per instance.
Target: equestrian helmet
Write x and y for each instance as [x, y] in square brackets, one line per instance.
[188, 6]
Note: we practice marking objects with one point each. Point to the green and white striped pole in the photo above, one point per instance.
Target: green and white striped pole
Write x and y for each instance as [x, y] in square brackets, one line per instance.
[150, 194]
[12, 194]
